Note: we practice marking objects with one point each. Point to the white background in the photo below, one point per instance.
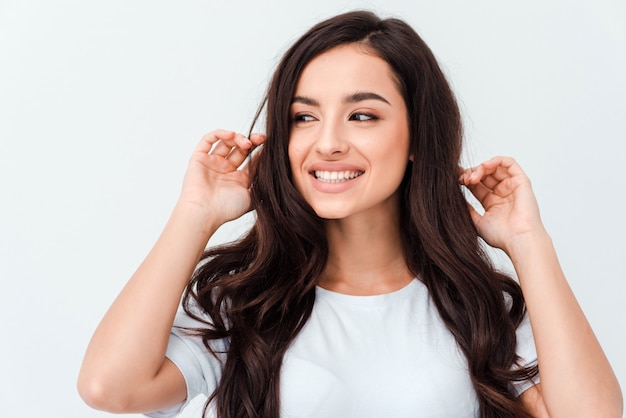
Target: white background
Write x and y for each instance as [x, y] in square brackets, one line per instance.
[101, 103]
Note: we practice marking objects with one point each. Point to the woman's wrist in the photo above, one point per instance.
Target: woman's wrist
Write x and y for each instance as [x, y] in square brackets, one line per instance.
[522, 246]
[196, 217]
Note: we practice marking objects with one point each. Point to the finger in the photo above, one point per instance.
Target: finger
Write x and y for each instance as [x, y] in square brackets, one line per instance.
[479, 190]
[503, 175]
[252, 161]
[232, 148]
[496, 174]
[502, 167]
[490, 182]
[476, 175]
[472, 175]
[491, 172]
[507, 186]
[219, 164]
[208, 140]
[257, 139]
[240, 151]
[222, 148]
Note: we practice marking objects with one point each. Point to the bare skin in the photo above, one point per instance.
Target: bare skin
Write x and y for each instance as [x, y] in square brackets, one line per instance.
[374, 263]
[125, 369]
[348, 115]
[576, 377]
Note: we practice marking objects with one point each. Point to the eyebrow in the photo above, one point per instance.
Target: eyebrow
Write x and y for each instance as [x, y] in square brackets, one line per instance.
[351, 98]
[364, 95]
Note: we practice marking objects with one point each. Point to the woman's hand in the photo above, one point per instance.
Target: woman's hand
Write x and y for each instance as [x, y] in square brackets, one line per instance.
[569, 355]
[504, 191]
[125, 369]
[217, 182]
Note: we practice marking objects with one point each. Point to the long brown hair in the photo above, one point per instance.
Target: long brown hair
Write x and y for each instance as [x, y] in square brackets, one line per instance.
[260, 290]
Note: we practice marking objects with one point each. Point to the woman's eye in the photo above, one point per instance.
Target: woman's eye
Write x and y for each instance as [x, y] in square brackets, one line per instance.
[303, 118]
[362, 117]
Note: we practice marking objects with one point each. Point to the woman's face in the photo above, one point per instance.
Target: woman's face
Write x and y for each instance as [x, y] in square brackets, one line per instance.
[349, 141]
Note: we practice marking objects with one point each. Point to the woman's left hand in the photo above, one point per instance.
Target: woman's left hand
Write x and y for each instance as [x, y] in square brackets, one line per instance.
[504, 191]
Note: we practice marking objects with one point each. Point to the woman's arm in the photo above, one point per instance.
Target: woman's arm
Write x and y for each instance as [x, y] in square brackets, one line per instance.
[576, 377]
[124, 368]
[533, 400]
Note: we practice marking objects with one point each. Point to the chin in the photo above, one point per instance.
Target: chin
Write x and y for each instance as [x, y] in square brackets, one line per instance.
[331, 213]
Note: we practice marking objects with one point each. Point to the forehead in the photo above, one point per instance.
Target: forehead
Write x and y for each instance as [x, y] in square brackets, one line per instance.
[350, 67]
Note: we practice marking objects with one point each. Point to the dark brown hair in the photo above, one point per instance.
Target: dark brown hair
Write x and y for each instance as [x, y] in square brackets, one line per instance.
[260, 290]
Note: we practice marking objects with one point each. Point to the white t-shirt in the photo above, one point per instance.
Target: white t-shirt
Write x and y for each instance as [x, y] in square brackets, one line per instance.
[386, 355]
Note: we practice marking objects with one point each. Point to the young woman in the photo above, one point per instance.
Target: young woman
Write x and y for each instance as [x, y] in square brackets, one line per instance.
[362, 289]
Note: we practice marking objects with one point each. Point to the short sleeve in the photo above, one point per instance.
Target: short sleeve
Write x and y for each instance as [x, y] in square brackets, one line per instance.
[528, 354]
[200, 369]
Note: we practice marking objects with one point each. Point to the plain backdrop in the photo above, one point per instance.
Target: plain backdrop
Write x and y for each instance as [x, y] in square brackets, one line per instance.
[101, 104]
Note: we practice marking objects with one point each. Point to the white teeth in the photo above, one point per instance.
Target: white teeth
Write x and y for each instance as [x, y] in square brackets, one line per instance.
[336, 176]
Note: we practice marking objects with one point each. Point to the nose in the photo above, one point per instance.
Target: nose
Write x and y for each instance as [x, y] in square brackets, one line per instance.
[331, 140]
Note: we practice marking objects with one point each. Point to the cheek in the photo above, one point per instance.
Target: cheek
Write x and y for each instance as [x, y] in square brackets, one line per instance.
[296, 153]
[388, 144]
[400, 148]
[392, 152]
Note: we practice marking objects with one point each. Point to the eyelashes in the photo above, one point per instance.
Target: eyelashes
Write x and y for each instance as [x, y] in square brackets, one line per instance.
[303, 117]
[362, 117]
[357, 117]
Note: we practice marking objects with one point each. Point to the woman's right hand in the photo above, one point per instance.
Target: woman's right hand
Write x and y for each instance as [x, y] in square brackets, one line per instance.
[215, 182]
[125, 368]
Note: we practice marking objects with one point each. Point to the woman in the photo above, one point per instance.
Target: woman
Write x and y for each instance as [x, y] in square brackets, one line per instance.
[362, 289]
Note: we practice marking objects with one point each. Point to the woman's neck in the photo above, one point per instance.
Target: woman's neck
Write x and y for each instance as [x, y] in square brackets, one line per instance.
[365, 255]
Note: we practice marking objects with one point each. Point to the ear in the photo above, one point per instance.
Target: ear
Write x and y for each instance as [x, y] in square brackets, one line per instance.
[411, 158]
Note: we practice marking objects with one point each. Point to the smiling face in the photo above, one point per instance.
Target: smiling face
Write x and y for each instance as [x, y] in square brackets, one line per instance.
[349, 139]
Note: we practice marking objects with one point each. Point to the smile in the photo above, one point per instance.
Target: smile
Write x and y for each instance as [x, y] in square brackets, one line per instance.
[336, 176]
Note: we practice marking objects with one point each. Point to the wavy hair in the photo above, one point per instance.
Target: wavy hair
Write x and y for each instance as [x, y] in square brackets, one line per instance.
[259, 291]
